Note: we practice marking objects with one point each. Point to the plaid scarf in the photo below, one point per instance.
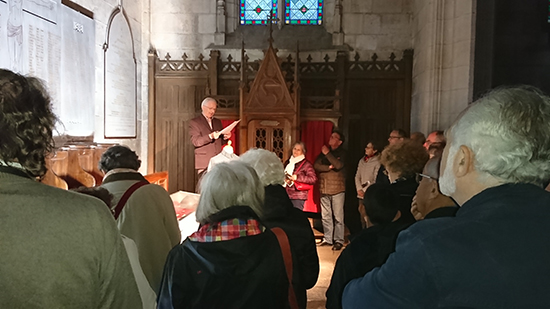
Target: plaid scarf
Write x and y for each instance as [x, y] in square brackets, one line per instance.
[227, 230]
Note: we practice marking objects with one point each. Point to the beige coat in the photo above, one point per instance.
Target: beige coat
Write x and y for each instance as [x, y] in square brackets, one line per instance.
[149, 219]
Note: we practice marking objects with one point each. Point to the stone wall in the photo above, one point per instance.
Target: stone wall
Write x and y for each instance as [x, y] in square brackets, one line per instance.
[443, 62]
[138, 14]
[377, 26]
[368, 26]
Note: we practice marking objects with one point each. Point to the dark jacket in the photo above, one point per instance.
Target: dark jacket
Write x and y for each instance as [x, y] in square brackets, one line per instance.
[281, 213]
[331, 181]
[369, 249]
[493, 254]
[304, 173]
[406, 188]
[205, 147]
[447, 211]
[247, 272]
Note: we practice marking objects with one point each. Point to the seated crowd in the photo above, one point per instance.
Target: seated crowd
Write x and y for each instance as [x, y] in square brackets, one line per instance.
[453, 220]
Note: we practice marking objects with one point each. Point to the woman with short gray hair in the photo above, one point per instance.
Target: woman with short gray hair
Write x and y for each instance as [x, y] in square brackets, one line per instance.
[233, 260]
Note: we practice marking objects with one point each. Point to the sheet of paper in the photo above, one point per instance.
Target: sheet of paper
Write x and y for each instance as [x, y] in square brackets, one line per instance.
[229, 127]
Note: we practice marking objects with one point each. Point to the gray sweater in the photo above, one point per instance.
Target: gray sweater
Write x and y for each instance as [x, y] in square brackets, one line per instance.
[60, 249]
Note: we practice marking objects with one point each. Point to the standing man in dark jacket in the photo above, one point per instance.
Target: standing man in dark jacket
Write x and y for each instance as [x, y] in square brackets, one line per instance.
[332, 185]
[494, 253]
[205, 132]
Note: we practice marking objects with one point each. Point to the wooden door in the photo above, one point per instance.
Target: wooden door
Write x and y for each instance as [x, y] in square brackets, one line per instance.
[177, 100]
[273, 135]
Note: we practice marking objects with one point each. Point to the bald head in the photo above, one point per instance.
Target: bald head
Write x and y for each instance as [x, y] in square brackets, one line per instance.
[432, 167]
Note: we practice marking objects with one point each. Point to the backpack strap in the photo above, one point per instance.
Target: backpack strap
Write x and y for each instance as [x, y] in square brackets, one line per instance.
[126, 196]
[287, 257]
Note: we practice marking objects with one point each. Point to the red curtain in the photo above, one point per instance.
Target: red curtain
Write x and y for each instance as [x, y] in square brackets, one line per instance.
[315, 134]
[234, 135]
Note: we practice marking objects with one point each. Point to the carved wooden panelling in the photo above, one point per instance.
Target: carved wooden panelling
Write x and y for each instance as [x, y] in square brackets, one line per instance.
[366, 98]
[278, 142]
[270, 92]
[176, 101]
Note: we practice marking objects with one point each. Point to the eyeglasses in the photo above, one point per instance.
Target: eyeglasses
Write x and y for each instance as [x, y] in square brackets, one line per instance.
[419, 177]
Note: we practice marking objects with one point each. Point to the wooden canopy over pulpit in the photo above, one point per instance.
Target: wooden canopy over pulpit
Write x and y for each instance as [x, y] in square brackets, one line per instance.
[269, 112]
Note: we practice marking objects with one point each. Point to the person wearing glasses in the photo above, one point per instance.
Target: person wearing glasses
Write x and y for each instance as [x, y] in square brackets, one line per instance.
[367, 169]
[494, 253]
[397, 136]
[428, 201]
[402, 162]
[332, 186]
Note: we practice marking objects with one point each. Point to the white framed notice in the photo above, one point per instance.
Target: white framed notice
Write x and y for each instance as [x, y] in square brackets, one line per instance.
[120, 78]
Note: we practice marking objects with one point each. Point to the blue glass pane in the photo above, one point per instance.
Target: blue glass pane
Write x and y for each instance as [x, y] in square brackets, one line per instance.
[304, 12]
[256, 12]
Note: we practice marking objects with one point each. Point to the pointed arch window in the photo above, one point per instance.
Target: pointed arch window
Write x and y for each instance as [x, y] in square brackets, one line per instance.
[304, 12]
[257, 12]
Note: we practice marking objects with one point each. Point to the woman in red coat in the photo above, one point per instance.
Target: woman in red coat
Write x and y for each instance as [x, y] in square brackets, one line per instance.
[299, 172]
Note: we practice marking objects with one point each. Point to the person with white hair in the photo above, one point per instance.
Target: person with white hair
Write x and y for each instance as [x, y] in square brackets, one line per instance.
[493, 254]
[278, 211]
[233, 260]
[205, 134]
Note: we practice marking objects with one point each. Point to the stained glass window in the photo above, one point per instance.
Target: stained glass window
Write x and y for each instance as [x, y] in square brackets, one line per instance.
[256, 12]
[304, 12]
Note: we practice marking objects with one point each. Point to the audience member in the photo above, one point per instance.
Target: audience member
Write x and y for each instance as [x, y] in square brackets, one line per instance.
[148, 296]
[367, 169]
[436, 138]
[418, 137]
[436, 150]
[59, 249]
[147, 217]
[396, 136]
[278, 211]
[402, 162]
[299, 170]
[371, 247]
[428, 201]
[232, 261]
[491, 254]
[332, 186]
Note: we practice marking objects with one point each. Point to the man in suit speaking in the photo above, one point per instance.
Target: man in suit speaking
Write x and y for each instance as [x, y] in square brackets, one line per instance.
[205, 133]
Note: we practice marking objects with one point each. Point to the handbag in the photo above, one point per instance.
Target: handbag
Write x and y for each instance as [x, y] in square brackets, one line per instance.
[300, 186]
[287, 257]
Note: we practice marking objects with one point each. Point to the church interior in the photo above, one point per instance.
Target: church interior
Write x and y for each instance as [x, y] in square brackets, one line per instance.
[135, 73]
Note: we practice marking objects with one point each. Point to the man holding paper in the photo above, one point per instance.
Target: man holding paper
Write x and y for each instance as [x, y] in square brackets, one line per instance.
[205, 131]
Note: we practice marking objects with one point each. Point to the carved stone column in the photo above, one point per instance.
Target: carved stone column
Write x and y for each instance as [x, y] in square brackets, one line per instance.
[338, 34]
[221, 16]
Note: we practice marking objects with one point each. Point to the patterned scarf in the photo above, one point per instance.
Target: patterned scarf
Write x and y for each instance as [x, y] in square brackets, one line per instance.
[227, 230]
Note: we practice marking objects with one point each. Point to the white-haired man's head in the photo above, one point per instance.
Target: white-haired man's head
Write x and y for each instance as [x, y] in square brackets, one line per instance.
[266, 164]
[229, 184]
[209, 107]
[503, 137]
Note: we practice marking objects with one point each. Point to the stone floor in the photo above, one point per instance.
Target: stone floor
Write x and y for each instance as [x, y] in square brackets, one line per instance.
[327, 258]
[316, 296]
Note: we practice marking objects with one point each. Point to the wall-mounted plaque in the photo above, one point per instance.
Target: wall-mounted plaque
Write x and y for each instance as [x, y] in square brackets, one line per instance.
[55, 43]
[120, 78]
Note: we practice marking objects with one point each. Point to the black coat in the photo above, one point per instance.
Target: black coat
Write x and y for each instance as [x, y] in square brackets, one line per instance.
[279, 212]
[406, 188]
[247, 272]
[369, 249]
